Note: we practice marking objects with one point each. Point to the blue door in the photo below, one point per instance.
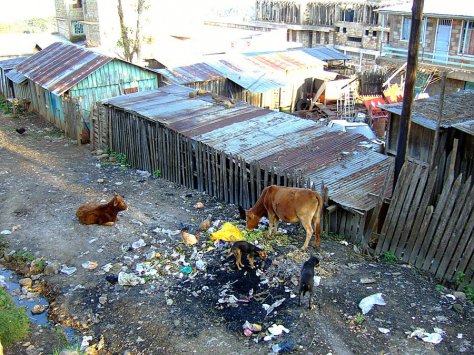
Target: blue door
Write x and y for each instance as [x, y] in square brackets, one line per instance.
[443, 35]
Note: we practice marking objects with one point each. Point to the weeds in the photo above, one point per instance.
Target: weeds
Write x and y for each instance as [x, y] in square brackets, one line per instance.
[22, 257]
[459, 278]
[157, 174]
[440, 288]
[5, 106]
[390, 257]
[333, 236]
[469, 291]
[3, 245]
[359, 318]
[14, 322]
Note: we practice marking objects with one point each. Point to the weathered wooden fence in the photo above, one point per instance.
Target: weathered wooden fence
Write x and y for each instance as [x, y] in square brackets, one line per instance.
[433, 232]
[151, 146]
[72, 124]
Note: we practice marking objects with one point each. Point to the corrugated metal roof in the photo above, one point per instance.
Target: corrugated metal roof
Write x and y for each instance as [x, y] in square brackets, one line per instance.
[16, 77]
[352, 172]
[247, 75]
[60, 66]
[325, 53]
[287, 61]
[10, 63]
[190, 74]
[458, 109]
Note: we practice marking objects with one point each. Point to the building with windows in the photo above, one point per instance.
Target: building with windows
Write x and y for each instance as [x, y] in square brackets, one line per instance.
[351, 26]
[447, 41]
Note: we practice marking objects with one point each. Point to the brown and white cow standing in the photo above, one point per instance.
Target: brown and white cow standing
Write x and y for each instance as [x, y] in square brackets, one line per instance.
[291, 205]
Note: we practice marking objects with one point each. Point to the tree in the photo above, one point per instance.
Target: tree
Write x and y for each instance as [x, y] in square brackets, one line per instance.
[130, 39]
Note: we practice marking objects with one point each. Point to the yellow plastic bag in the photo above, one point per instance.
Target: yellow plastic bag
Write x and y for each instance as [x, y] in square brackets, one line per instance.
[228, 233]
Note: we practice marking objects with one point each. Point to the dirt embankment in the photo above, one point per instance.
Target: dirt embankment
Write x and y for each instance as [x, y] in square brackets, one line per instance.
[192, 299]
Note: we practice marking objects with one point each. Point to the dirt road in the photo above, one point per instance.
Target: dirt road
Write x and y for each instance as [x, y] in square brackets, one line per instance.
[192, 299]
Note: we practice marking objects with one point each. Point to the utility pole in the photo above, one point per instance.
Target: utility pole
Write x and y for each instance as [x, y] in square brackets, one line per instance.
[409, 92]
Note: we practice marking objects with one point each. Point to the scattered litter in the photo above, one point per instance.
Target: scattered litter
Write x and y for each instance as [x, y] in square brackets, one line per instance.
[433, 338]
[269, 308]
[186, 269]
[248, 332]
[167, 232]
[275, 330]
[38, 309]
[68, 270]
[368, 302]
[92, 240]
[228, 233]
[199, 205]
[285, 346]
[89, 265]
[118, 183]
[367, 280]
[85, 342]
[5, 232]
[252, 327]
[138, 244]
[384, 330]
[125, 279]
[344, 242]
[459, 336]
[107, 267]
[188, 238]
[201, 265]
[317, 280]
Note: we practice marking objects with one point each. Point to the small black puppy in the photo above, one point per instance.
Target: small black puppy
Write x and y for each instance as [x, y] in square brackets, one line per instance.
[307, 279]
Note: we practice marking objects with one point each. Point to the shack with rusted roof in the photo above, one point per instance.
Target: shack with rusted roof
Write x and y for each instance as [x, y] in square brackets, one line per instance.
[6, 65]
[232, 151]
[63, 81]
[455, 132]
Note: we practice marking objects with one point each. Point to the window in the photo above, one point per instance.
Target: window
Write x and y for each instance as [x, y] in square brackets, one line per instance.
[467, 38]
[374, 33]
[347, 15]
[344, 30]
[338, 29]
[77, 28]
[366, 32]
[354, 39]
[406, 27]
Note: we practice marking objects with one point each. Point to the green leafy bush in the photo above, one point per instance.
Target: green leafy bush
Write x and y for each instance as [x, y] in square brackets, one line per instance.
[14, 322]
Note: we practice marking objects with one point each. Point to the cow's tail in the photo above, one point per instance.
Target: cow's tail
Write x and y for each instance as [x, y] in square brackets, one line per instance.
[317, 219]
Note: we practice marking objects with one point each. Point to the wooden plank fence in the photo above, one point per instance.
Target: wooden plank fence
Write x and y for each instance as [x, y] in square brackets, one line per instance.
[433, 232]
[152, 146]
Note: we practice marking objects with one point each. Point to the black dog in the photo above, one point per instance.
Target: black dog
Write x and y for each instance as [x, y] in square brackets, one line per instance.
[307, 279]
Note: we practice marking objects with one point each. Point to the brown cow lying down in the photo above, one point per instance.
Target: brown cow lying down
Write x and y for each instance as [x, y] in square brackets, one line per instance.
[291, 205]
[104, 214]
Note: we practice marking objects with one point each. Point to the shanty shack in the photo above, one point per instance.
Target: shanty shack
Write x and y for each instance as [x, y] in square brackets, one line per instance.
[64, 81]
[232, 151]
[456, 131]
[6, 65]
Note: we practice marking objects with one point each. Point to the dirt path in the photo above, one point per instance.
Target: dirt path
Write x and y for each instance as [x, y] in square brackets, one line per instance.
[44, 178]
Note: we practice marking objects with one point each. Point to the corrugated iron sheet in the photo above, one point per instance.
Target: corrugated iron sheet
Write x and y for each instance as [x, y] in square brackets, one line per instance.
[11, 63]
[247, 75]
[325, 53]
[191, 74]
[352, 172]
[458, 108]
[16, 77]
[287, 61]
[60, 66]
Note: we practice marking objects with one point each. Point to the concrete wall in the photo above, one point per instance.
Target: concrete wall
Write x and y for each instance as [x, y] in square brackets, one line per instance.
[65, 14]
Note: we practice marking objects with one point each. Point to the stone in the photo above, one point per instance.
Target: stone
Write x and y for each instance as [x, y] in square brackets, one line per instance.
[51, 269]
[26, 282]
[461, 296]
[38, 309]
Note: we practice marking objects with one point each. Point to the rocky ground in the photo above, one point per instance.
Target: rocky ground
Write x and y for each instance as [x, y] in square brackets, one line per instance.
[191, 298]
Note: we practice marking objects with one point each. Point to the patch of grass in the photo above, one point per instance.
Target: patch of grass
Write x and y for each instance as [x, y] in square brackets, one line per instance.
[157, 173]
[22, 257]
[3, 245]
[333, 236]
[440, 288]
[459, 278]
[119, 158]
[469, 291]
[359, 318]
[73, 348]
[5, 106]
[390, 257]
[14, 322]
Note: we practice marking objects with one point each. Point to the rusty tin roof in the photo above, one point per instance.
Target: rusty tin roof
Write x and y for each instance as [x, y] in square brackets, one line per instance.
[352, 173]
[191, 74]
[60, 66]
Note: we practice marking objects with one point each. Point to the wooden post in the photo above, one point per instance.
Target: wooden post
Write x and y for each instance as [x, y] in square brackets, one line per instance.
[438, 121]
[408, 94]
